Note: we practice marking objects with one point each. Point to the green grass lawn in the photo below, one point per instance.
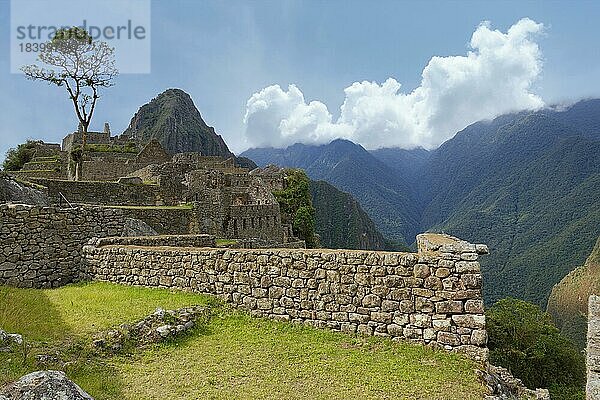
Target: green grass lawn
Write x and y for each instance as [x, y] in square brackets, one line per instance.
[233, 357]
[225, 242]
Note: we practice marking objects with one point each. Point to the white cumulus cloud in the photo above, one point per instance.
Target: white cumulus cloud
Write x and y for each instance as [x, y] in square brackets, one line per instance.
[494, 77]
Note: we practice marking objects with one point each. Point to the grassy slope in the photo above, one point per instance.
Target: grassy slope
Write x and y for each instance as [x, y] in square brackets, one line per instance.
[568, 301]
[235, 356]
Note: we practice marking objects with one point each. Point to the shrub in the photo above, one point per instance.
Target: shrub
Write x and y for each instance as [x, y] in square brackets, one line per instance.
[295, 201]
[523, 339]
[19, 156]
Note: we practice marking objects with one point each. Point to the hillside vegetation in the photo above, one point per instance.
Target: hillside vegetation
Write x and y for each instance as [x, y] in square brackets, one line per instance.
[523, 339]
[384, 194]
[526, 184]
[233, 356]
[568, 301]
[341, 222]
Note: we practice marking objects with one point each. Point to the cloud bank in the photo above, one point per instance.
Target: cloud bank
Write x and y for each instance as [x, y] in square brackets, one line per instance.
[494, 77]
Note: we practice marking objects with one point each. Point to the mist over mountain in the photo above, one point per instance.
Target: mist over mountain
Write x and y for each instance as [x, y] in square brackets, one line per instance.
[527, 184]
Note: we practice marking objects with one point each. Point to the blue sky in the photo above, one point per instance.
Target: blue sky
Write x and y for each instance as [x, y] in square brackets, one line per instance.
[224, 52]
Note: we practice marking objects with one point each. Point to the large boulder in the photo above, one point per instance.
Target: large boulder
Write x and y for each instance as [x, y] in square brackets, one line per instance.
[44, 385]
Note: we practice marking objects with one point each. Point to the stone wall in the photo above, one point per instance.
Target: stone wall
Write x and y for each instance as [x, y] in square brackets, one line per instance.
[255, 221]
[101, 193]
[31, 175]
[157, 241]
[433, 297]
[106, 166]
[166, 221]
[593, 349]
[41, 246]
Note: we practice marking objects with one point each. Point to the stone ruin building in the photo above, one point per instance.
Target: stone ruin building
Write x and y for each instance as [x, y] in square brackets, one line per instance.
[185, 193]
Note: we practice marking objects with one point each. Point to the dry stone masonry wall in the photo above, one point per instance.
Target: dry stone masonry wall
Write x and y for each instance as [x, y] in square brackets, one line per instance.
[158, 241]
[593, 349]
[434, 296]
[41, 246]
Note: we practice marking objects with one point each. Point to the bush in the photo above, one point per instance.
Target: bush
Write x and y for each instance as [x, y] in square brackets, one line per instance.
[19, 156]
[296, 204]
[523, 339]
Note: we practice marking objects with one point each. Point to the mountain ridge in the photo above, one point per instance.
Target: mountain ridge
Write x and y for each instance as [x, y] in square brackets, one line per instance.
[526, 183]
[568, 300]
[381, 193]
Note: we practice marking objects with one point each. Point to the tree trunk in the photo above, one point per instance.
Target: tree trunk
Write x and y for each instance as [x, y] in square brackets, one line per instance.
[79, 166]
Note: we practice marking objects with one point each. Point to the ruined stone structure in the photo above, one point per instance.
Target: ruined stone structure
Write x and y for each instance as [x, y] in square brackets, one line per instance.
[432, 297]
[593, 349]
[174, 194]
[76, 138]
[41, 246]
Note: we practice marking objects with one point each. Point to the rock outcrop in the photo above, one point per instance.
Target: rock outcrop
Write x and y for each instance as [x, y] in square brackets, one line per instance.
[159, 326]
[12, 191]
[45, 385]
[503, 386]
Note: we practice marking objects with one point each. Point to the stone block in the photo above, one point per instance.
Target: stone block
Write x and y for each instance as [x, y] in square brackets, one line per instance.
[474, 307]
[468, 256]
[471, 281]
[395, 330]
[407, 306]
[276, 292]
[442, 324]
[413, 333]
[389, 305]
[433, 282]
[421, 271]
[449, 307]
[442, 272]
[423, 305]
[469, 321]
[479, 337]
[401, 319]
[420, 320]
[371, 300]
[429, 334]
[399, 294]
[383, 317]
[450, 339]
[463, 267]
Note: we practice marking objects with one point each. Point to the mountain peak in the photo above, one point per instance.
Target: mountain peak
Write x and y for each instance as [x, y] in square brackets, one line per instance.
[173, 120]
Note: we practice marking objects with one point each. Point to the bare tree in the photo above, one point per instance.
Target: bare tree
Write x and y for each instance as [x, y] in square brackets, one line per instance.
[83, 66]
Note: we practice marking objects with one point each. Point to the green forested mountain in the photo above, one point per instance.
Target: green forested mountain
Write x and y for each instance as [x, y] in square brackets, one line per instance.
[527, 184]
[530, 189]
[568, 302]
[383, 193]
[340, 220]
